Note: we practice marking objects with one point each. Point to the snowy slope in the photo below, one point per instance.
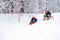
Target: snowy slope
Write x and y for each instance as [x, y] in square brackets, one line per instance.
[11, 29]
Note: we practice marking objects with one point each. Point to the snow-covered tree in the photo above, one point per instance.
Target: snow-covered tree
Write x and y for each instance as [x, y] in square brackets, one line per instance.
[29, 6]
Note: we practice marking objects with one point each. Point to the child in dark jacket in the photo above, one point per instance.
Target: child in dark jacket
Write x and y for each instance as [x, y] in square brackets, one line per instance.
[33, 20]
[47, 15]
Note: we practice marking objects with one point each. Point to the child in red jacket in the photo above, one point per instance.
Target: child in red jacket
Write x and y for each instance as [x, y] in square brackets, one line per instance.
[33, 20]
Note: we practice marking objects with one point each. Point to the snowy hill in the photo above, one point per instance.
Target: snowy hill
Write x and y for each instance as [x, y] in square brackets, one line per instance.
[11, 29]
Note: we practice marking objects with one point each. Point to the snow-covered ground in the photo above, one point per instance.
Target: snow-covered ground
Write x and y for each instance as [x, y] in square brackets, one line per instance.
[12, 29]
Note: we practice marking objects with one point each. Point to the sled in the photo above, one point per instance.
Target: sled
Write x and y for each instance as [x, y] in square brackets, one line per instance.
[31, 23]
[48, 18]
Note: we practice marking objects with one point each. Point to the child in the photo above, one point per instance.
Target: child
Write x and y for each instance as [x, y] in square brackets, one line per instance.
[47, 15]
[33, 20]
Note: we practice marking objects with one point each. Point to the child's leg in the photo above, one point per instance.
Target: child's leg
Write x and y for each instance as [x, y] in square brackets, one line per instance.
[44, 17]
[48, 18]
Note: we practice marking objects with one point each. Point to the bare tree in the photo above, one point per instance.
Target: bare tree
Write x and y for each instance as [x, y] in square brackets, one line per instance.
[21, 10]
[22, 6]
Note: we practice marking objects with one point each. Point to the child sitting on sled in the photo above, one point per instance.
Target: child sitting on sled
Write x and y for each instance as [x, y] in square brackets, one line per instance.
[33, 20]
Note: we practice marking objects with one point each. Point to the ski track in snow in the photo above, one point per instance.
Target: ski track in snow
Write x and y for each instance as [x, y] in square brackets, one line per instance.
[11, 29]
